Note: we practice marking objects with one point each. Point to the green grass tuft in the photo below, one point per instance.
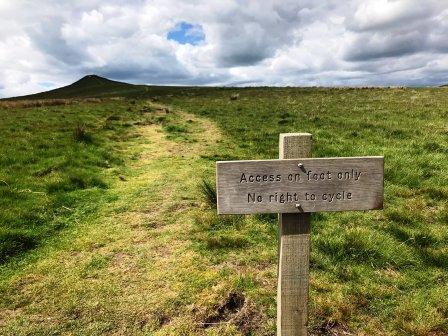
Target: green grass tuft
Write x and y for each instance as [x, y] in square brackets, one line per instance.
[80, 134]
[208, 191]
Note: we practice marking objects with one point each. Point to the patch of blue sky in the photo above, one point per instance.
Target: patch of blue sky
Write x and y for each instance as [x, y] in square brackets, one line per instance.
[46, 84]
[187, 33]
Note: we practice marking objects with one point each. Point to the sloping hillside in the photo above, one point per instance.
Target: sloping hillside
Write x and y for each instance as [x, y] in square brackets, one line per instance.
[88, 86]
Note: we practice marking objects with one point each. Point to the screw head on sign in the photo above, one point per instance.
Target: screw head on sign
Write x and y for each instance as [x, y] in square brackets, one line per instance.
[299, 207]
[300, 165]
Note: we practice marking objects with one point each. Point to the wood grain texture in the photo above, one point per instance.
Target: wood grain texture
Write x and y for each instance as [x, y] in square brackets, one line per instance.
[294, 253]
[279, 186]
[294, 145]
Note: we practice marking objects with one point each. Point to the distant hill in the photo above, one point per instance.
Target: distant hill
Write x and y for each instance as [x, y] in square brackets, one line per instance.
[88, 86]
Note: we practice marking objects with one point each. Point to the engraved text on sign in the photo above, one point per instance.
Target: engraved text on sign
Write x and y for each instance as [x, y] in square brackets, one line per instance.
[305, 185]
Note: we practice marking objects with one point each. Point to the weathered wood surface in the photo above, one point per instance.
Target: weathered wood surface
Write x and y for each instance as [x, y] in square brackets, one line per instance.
[294, 252]
[303, 185]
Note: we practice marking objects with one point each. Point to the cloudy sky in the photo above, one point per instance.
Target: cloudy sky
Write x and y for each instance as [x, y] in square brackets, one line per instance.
[48, 43]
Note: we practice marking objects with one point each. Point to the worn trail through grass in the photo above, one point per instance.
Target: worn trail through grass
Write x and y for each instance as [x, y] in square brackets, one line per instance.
[132, 270]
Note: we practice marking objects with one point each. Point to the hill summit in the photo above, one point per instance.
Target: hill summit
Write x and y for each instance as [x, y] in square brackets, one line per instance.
[93, 80]
[87, 86]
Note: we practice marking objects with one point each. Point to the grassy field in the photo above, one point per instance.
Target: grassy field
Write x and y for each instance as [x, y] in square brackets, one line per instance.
[105, 227]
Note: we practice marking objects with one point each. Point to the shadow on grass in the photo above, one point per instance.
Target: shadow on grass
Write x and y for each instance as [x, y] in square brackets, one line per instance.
[214, 232]
[15, 242]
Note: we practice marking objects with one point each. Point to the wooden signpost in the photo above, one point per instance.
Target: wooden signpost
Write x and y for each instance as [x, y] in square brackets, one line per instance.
[294, 186]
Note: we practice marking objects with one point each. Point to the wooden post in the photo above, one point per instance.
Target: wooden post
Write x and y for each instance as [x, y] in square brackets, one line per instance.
[294, 252]
[295, 186]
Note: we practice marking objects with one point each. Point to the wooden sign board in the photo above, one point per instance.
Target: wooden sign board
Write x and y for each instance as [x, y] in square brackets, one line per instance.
[296, 186]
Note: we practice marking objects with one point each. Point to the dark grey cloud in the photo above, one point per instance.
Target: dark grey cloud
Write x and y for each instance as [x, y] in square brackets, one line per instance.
[396, 29]
[47, 37]
[379, 45]
[139, 73]
[242, 51]
[246, 35]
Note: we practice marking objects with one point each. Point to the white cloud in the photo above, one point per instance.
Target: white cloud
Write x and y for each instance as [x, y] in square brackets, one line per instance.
[272, 42]
[383, 14]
